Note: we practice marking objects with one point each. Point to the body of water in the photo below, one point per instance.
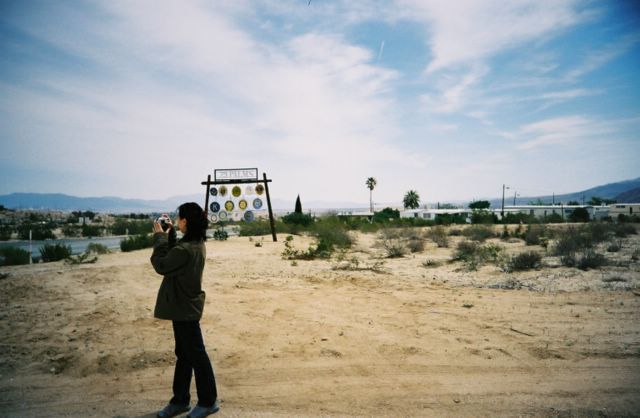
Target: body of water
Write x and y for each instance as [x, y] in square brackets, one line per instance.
[78, 245]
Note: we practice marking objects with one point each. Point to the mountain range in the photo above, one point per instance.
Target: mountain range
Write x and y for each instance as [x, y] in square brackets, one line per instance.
[623, 192]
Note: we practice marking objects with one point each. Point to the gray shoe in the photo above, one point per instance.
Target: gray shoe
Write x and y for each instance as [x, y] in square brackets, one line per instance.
[171, 410]
[201, 411]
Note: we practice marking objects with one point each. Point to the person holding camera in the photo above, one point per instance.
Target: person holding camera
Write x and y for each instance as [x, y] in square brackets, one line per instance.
[181, 300]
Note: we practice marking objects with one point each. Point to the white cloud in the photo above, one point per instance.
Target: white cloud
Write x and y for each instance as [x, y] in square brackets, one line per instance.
[469, 31]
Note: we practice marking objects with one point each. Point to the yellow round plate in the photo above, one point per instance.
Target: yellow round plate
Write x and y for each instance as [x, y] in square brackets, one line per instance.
[223, 190]
[236, 191]
[228, 205]
[242, 204]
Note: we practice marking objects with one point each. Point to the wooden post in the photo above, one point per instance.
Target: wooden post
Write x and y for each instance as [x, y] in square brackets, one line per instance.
[206, 199]
[266, 189]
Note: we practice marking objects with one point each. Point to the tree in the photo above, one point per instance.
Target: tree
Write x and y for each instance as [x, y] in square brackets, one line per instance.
[411, 200]
[573, 203]
[579, 215]
[598, 201]
[371, 184]
[480, 204]
[298, 208]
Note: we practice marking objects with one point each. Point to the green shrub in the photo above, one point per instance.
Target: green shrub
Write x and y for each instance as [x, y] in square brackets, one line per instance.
[296, 218]
[573, 240]
[331, 233]
[123, 226]
[39, 231]
[614, 247]
[71, 231]
[439, 236]
[97, 248]
[479, 232]
[220, 234]
[598, 231]
[554, 218]
[255, 228]
[482, 216]
[91, 231]
[579, 215]
[386, 215]
[525, 261]
[5, 233]
[54, 252]
[13, 256]
[136, 242]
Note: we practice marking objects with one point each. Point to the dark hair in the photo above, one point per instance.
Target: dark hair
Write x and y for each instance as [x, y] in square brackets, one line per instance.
[196, 221]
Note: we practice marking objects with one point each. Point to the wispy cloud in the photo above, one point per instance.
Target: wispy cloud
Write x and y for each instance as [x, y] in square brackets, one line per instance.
[558, 131]
[599, 57]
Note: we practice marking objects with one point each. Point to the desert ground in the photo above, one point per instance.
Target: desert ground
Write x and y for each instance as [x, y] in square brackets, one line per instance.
[398, 337]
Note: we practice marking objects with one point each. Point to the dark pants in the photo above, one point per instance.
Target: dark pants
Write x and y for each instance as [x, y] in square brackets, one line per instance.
[192, 356]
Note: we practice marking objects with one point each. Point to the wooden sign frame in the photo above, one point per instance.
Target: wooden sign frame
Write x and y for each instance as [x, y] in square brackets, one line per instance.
[264, 181]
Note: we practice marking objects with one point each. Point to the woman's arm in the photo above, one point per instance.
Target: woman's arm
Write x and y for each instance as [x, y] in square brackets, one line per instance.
[167, 260]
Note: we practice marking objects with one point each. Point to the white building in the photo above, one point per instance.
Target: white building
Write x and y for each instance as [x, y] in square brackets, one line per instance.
[628, 209]
[541, 211]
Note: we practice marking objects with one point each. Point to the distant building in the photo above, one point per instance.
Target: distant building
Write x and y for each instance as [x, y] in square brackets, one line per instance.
[628, 209]
[432, 214]
[541, 211]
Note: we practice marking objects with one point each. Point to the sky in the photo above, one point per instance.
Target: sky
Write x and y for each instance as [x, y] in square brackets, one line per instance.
[452, 99]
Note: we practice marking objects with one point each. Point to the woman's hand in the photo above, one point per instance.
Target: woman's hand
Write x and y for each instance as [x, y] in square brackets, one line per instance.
[157, 226]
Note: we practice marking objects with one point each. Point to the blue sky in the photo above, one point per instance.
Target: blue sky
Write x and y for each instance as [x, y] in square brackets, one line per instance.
[452, 99]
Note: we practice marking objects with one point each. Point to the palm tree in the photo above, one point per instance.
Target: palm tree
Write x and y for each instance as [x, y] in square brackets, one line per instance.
[371, 184]
[411, 200]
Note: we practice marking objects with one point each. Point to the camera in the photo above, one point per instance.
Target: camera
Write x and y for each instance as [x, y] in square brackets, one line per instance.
[164, 221]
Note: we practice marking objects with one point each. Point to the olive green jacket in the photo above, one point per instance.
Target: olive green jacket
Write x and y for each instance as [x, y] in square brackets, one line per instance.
[180, 297]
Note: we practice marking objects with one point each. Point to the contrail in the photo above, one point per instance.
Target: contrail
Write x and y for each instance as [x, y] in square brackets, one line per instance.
[381, 50]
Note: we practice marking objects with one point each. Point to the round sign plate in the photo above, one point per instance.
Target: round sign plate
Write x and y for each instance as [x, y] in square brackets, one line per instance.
[223, 190]
[214, 206]
[213, 218]
[228, 205]
[248, 216]
[249, 190]
[236, 191]
[242, 204]
[257, 203]
[213, 191]
[223, 215]
[259, 189]
[236, 216]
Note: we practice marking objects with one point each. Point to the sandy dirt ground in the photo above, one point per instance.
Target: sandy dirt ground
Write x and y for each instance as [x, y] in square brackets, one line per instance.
[323, 338]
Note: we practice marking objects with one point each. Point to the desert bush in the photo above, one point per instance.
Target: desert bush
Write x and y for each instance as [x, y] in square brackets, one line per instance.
[598, 231]
[483, 216]
[534, 234]
[394, 248]
[479, 232]
[622, 230]
[97, 248]
[525, 261]
[474, 254]
[591, 259]
[54, 252]
[554, 218]
[439, 236]
[136, 242]
[614, 247]
[13, 256]
[386, 215]
[579, 215]
[635, 256]
[455, 232]
[431, 263]
[573, 240]
[291, 253]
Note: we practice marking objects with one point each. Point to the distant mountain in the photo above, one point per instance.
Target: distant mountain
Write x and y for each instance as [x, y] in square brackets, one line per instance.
[621, 192]
[624, 192]
[630, 196]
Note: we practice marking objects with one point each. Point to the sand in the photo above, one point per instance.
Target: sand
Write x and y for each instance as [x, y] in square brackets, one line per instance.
[308, 339]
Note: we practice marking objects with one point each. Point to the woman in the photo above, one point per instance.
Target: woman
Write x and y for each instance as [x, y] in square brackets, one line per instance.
[181, 300]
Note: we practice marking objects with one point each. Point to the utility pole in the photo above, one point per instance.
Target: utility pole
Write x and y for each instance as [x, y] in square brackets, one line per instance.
[514, 197]
[502, 210]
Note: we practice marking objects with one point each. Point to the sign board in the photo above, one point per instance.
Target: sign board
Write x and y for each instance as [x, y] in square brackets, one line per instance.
[232, 175]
